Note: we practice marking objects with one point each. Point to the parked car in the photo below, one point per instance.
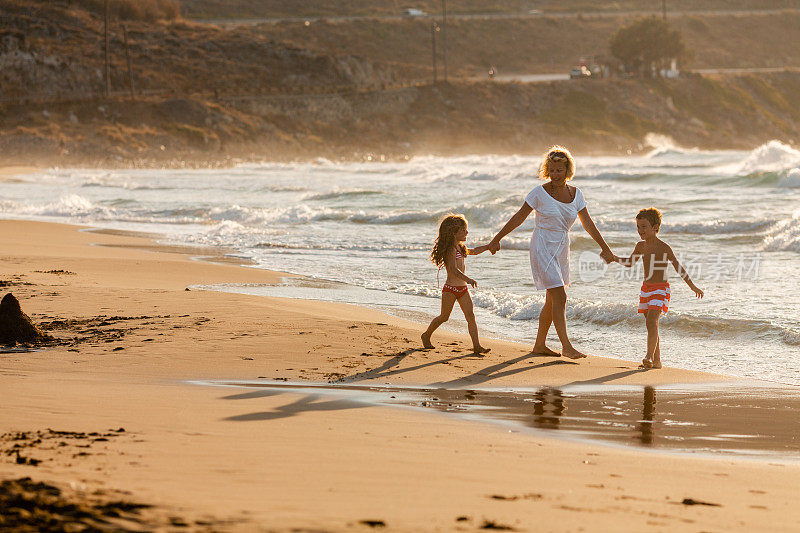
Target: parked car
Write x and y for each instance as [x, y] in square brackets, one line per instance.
[412, 12]
[580, 72]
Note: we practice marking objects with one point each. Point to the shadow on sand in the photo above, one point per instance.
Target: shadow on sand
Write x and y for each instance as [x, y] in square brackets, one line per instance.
[308, 403]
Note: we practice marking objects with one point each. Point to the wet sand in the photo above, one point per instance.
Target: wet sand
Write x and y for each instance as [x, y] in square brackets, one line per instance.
[131, 337]
[736, 420]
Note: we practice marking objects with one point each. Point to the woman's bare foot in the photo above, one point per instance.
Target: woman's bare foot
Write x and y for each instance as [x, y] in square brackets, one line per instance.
[656, 364]
[426, 342]
[647, 363]
[572, 353]
[544, 350]
[480, 350]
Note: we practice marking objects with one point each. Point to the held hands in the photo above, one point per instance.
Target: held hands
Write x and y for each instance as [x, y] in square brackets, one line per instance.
[493, 246]
[608, 256]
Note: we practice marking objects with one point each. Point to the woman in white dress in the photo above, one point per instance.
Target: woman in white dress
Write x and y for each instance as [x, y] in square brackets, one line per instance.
[557, 205]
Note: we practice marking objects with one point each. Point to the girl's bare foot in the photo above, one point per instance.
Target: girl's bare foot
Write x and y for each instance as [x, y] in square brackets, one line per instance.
[426, 341]
[647, 363]
[480, 350]
[572, 353]
[544, 350]
[656, 364]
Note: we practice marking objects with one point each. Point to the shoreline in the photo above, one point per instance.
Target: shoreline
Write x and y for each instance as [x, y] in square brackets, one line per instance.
[212, 460]
[222, 255]
[552, 429]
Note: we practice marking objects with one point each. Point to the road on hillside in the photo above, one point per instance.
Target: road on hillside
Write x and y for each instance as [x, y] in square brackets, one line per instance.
[560, 76]
[584, 14]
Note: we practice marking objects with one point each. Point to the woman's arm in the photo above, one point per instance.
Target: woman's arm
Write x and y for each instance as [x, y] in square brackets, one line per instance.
[591, 229]
[512, 224]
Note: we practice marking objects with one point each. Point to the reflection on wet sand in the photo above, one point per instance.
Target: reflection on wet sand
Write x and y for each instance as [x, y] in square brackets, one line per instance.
[548, 408]
[754, 421]
[648, 412]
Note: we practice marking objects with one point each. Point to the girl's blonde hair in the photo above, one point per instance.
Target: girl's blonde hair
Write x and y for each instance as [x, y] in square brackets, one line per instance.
[447, 238]
[557, 154]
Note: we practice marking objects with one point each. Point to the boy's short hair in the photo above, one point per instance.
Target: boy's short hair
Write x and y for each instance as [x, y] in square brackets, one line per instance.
[652, 215]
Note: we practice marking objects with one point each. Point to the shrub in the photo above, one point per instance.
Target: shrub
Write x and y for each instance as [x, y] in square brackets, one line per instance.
[146, 10]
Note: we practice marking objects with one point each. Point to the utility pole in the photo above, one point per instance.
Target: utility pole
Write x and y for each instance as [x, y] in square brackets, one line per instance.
[128, 59]
[434, 29]
[444, 39]
[105, 49]
[664, 10]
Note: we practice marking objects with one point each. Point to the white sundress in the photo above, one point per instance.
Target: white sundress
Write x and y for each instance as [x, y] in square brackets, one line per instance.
[550, 239]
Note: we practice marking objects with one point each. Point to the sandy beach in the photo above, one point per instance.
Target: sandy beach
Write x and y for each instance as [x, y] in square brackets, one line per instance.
[130, 336]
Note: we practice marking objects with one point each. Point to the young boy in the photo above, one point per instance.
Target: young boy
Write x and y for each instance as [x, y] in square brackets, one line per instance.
[654, 298]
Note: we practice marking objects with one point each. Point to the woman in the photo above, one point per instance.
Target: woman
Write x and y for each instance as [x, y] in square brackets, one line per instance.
[557, 204]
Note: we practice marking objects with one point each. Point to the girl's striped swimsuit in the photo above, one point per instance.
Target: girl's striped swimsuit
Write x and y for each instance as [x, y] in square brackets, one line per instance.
[458, 290]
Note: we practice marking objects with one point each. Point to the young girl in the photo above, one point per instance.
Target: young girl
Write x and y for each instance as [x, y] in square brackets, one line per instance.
[449, 251]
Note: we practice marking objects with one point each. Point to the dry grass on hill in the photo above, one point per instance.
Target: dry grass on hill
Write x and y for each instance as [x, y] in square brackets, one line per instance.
[61, 56]
[143, 10]
[541, 44]
[314, 8]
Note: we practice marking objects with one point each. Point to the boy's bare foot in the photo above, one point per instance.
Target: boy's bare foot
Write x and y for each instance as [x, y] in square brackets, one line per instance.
[572, 353]
[426, 342]
[480, 350]
[544, 350]
[647, 363]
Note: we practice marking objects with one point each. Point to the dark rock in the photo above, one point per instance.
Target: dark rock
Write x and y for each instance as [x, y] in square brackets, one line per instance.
[373, 523]
[692, 501]
[491, 524]
[15, 326]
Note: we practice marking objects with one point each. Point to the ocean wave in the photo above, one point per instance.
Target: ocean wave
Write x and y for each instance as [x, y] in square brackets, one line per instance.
[792, 337]
[515, 307]
[707, 227]
[773, 156]
[359, 247]
[784, 235]
[395, 217]
[126, 185]
[417, 290]
[69, 206]
[342, 194]
[791, 180]
[281, 188]
[717, 226]
[773, 164]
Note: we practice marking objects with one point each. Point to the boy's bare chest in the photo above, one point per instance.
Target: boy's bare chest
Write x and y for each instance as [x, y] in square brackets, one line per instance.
[654, 254]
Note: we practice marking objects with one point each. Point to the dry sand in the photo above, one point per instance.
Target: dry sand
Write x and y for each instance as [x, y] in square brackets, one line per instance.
[235, 459]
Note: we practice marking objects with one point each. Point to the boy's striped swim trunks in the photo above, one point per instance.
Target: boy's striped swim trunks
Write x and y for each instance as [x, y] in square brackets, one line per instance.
[654, 296]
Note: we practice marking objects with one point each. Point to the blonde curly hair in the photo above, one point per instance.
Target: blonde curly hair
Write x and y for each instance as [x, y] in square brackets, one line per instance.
[557, 154]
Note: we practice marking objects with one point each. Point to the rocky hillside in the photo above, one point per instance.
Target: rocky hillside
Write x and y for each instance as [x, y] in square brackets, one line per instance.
[543, 43]
[209, 96]
[54, 50]
[313, 8]
[611, 116]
